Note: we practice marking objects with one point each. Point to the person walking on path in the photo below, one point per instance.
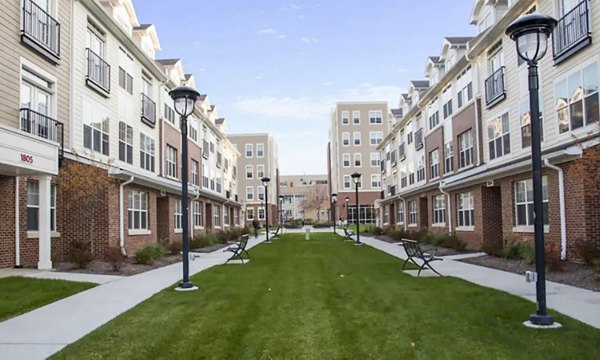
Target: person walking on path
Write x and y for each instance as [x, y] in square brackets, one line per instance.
[255, 224]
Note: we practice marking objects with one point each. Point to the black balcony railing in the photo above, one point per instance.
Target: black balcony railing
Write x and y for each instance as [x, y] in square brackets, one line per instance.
[392, 190]
[494, 87]
[148, 110]
[235, 197]
[219, 159]
[419, 139]
[572, 32]
[40, 30]
[43, 126]
[228, 194]
[205, 148]
[382, 166]
[401, 152]
[382, 194]
[393, 158]
[98, 70]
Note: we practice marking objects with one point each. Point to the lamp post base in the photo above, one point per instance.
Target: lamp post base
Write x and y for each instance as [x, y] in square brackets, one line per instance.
[186, 286]
[537, 321]
[532, 325]
[358, 243]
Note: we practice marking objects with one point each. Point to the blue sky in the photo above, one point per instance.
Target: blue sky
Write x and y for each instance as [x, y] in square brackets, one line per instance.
[280, 66]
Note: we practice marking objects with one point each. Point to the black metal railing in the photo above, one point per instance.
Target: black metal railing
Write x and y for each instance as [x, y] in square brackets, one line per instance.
[382, 166]
[219, 159]
[236, 198]
[392, 190]
[572, 31]
[401, 152]
[148, 110]
[382, 194]
[419, 138]
[494, 87]
[227, 194]
[393, 158]
[205, 149]
[41, 28]
[43, 126]
[98, 70]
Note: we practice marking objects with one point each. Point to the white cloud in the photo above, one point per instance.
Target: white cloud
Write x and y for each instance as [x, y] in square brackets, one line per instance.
[301, 17]
[266, 31]
[327, 83]
[281, 36]
[309, 40]
[285, 107]
[295, 7]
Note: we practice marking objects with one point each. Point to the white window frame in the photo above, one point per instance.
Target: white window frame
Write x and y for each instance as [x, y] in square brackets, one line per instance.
[261, 213]
[564, 111]
[147, 151]
[448, 157]
[249, 152]
[33, 202]
[171, 162]
[465, 209]
[177, 216]
[260, 150]
[250, 191]
[357, 159]
[198, 222]
[412, 213]
[346, 156]
[375, 159]
[260, 171]
[356, 116]
[125, 142]
[499, 136]
[345, 117]
[347, 181]
[137, 209]
[439, 210]
[375, 181]
[217, 215]
[400, 212]
[434, 163]
[465, 149]
[194, 170]
[250, 213]
[251, 172]
[355, 138]
[375, 117]
[345, 139]
[375, 137]
[260, 193]
[527, 202]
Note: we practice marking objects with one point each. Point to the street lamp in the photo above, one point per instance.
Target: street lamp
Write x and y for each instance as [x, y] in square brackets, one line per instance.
[265, 182]
[531, 33]
[281, 211]
[347, 200]
[334, 201]
[184, 98]
[356, 179]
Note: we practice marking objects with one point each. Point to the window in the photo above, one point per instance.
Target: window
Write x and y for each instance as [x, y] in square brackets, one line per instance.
[357, 160]
[465, 149]
[137, 210]
[219, 186]
[169, 114]
[33, 206]
[226, 215]
[146, 152]
[97, 69]
[577, 99]
[400, 206]
[434, 120]
[345, 139]
[249, 172]
[524, 212]
[439, 209]
[356, 117]
[412, 212]
[212, 147]
[197, 214]
[434, 161]
[449, 157]
[125, 143]
[345, 117]
[260, 171]
[357, 139]
[447, 108]
[375, 117]
[37, 106]
[249, 150]
[375, 181]
[411, 173]
[403, 176]
[346, 160]
[499, 136]
[204, 177]
[421, 168]
[346, 181]
[192, 133]
[250, 213]
[260, 193]
[171, 162]
[249, 193]
[260, 150]
[96, 136]
[375, 137]
[125, 81]
[195, 174]
[375, 159]
[177, 215]
[409, 137]
[261, 213]
[526, 123]
[465, 86]
[217, 215]
[465, 209]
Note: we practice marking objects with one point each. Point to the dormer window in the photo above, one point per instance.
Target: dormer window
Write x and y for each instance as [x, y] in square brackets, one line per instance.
[486, 21]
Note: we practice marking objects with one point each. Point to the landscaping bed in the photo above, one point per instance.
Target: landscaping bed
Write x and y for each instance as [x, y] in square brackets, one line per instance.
[128, 268]
[573, 274]
[441, 251]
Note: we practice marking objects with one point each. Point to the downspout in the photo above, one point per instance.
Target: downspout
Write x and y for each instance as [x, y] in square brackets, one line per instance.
[449, 202]
[121, 216]
[561, 200]
[17, 230]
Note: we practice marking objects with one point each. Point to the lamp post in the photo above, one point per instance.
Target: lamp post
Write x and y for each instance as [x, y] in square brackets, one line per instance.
[184, 99]
[265, 182]
[356, 179]
[334, 201]
[347, 200]
[531, 33]
[281, 211]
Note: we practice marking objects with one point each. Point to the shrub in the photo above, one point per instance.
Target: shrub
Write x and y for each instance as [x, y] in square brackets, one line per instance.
[527, 254]
[115, 258]
[589, 251]
[453, 242]
[512, 251]
[493, 249]
[321, 226]
[81, 254]
[174, 248]
[372, 229]
[553, 261]
[596, 266]
[147, 254]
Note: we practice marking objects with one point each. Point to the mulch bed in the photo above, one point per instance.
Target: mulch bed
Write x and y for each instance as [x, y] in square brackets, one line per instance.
[573, 274]
[441, 251]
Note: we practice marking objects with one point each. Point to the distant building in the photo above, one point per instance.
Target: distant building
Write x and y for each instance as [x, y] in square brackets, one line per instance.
[305, 197]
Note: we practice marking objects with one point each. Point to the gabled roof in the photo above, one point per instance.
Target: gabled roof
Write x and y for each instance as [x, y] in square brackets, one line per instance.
[168, 62]
[142, 27]
[420, 84]
[220, 121]
[396, 112]
[434, 59]
[187, 76]
[404, 96]
[212, 107]
[458, 40]
[202, 97]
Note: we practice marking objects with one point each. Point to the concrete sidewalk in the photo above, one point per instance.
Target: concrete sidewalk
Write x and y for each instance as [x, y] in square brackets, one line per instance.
[44, 331]
[580, 304]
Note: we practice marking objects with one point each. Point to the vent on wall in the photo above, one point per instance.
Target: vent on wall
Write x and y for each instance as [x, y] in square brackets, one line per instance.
[489, 183]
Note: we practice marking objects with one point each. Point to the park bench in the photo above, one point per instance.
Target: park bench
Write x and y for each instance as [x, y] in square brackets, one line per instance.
[276, 232]
[413, 250]
[348, 234]
[239, 249]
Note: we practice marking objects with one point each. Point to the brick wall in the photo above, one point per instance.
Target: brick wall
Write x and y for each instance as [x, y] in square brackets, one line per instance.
[473, 238]
[7, 221]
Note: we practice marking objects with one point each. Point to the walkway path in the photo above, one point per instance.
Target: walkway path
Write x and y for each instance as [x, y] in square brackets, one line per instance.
[580, 304]
[44, 331]
[70, 276]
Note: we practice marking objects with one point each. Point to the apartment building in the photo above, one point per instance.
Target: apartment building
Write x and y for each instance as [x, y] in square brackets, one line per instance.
[486, 197]
[305, 197]
[92, 144]
[259, 158]
[356, 130]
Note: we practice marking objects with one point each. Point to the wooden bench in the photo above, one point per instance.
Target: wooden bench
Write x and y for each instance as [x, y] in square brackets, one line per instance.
[348, 234]
[239, 249]
[413, 250]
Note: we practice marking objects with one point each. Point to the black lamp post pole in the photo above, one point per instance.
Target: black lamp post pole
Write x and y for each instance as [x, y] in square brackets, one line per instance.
[347, 212]
[267, 211]
[184, 206]
[333, 214]
[357, 216]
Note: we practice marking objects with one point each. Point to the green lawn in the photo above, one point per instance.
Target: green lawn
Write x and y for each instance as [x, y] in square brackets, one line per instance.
[19, 295]
[329, 299]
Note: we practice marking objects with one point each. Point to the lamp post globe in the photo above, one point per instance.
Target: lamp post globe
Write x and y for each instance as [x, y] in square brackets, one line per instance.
[333, 210]
[531, 33]
[356, 178]
[184, 99]
[265, 181]
[347, 201]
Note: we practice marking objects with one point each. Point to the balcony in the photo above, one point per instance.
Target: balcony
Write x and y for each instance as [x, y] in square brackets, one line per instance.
[393, 158]
[40, 31]
[219, 160]
[401, 152]
[148, 111]
[382, 165]
[382, 194]
[392, 190]
[419, 139]
[572, 33]
[98, 73]
[43, 126]
[228, 194]
[494, 88]
[205, 150]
